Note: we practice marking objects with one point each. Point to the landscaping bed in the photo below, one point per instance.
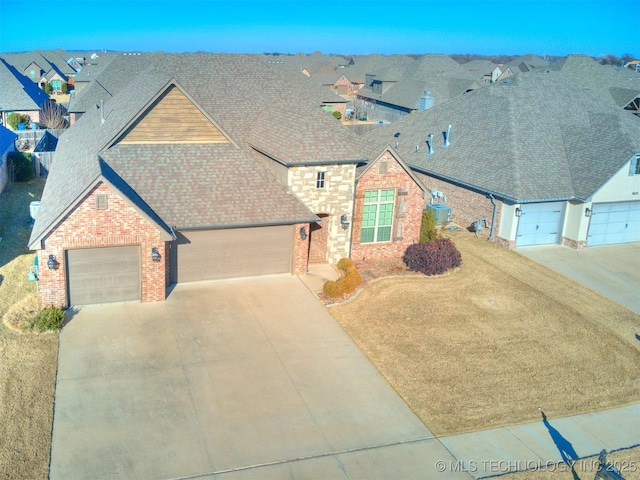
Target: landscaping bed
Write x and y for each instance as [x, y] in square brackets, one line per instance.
[488, 344]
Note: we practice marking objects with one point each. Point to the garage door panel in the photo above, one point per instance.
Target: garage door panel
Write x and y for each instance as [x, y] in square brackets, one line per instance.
[103, 275]
[540, 223]
[213, 254]
[613, 223]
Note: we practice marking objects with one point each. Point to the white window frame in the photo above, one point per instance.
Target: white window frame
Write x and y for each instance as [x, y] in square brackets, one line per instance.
[377, 216]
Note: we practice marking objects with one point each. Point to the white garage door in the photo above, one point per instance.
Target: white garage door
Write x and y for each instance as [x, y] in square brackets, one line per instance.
[213, 254]
[614, 223]
[540, 223]
[103, 275]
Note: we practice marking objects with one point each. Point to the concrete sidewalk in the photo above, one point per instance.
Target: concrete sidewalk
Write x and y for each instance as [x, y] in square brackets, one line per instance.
[532, 446]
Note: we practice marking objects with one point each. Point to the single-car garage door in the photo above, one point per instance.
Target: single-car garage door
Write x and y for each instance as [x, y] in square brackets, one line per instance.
[614, 223]
[239, 252]
[540, 223]
[103, 275]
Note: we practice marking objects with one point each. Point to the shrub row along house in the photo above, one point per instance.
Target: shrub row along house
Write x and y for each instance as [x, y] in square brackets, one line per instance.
[198, 170]
[194, 171]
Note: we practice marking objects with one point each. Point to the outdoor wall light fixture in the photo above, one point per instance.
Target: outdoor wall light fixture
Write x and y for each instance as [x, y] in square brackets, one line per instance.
[587, 212]
[344, 222]
[52, 263]
[303, 234]
[518, 212]
[155, 255]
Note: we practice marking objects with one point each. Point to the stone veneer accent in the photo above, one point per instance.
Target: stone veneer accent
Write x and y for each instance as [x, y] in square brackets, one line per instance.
[407, 212]
[87, 227]
[335, 199]
[575, 244]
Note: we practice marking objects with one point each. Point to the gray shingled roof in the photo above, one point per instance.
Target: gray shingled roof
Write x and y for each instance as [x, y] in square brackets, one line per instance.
[115, 76]
[533, 138]
[615, 84]
[478, 68]
[225, 87]
[205, 185]
[442, 76]
[18, 92]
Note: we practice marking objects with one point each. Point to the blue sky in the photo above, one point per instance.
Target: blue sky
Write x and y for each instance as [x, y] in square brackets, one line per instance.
[484, 27]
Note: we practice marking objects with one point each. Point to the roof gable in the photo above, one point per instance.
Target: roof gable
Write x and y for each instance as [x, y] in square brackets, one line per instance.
[172, 118]
[363, 171]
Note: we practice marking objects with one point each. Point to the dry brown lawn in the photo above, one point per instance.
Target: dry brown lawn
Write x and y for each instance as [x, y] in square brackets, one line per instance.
[27, 362]
[490, 343]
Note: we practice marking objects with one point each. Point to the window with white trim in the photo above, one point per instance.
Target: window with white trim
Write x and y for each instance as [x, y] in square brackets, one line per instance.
[320, 180]
[377, 215]
[634, 168]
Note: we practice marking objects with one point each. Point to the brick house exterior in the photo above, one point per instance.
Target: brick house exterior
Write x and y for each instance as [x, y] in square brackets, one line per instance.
[85, 226]
[468, 206]
[388, 171]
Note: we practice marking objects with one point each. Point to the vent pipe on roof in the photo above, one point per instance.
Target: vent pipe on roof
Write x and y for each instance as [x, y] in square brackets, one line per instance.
[417, 148]
[101, 112]
[430, 145]
[446, 136]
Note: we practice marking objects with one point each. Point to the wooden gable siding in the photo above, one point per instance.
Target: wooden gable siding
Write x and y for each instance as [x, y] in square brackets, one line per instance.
[173, 118]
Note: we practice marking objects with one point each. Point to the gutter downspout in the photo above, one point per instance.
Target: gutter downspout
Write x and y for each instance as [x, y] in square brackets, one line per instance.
[493, 216]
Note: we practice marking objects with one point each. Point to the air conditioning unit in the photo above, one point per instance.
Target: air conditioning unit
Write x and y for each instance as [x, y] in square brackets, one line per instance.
[441, 212]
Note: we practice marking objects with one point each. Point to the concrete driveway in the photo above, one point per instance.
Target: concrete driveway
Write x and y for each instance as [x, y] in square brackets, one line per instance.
[613, 270]
[237, 379]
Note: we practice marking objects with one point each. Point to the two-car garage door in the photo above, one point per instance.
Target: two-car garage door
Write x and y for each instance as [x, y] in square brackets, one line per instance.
[614, 223]
[239, 252]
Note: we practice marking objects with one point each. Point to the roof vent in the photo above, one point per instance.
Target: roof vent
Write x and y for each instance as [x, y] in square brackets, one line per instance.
[446, 136]
[397, 135]
[429, 143]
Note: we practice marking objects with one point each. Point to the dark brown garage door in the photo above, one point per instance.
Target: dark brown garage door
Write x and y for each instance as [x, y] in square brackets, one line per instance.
[213, 254]
[103, 275]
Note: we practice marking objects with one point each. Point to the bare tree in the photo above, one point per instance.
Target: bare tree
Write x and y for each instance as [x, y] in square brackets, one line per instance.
[52, 116]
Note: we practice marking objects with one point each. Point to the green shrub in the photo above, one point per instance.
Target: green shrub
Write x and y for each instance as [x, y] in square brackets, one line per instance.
[47, 88]
[63, 88]
[16, 118]
[20, 167]
[337, 115]
[428, 230]
[48, 318]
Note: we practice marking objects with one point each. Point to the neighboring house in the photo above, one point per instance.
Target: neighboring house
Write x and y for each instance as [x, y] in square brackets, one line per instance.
[483, 70]
[617, 85]
[42, 66]
[396, 91]
[7, 145]
[19, 94]
[537, 159]
[177, 180]
[98, 83]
